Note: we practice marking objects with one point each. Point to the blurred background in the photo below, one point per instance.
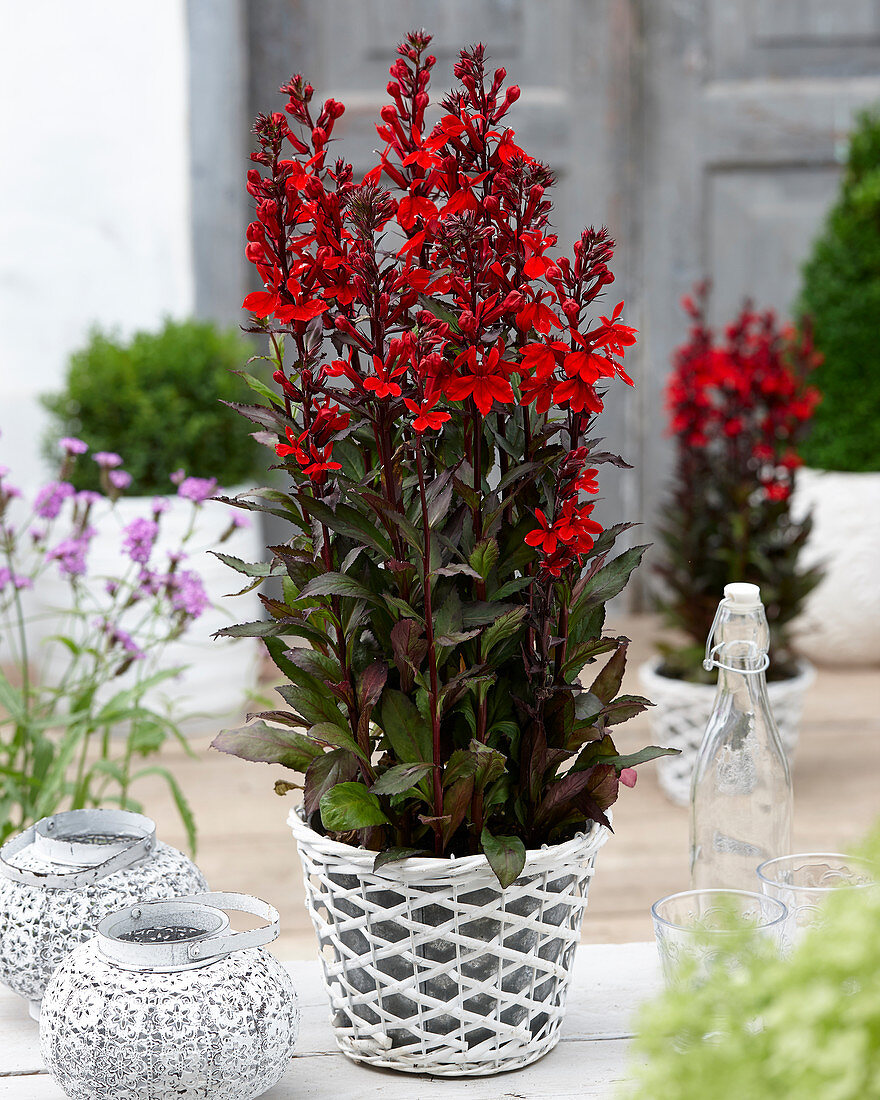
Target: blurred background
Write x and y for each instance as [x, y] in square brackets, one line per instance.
[709, 135]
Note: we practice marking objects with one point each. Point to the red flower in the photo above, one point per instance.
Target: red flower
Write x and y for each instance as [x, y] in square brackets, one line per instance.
[543, 537]
[428, 417]
[412, 207]
[578, 395]
[535, 315]
[396, 361]
[485, 380]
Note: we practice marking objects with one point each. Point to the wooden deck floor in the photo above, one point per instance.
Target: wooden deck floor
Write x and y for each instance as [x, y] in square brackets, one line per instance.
[244, 844]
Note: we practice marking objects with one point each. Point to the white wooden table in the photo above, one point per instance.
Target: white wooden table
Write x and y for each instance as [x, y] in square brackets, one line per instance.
[609, 982]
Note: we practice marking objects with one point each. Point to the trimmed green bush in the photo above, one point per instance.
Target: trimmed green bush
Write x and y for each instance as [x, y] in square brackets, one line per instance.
[841, 294]
[157, 401]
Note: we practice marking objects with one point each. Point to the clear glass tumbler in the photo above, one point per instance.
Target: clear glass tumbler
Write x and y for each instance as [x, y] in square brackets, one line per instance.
[804, 880]
[699, 929]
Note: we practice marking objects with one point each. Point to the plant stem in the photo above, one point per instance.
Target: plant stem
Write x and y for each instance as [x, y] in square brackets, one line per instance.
[432, 654]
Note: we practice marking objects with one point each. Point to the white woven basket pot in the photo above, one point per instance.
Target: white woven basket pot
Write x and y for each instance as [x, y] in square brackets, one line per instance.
[681, 712]
[431, 967]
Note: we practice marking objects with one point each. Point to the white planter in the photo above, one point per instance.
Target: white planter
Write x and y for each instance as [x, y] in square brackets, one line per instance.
[221, 671]
[840, 623]
[681, 713]
[431, 967]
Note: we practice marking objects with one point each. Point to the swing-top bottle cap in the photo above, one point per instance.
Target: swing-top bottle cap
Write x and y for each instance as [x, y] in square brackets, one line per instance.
[743, 597]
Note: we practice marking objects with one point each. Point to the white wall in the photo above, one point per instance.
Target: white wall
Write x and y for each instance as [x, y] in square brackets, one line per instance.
[94, 189]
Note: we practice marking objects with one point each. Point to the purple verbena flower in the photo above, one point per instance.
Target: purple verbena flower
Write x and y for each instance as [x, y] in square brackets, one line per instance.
[159, 505]
[72, 446]
[120, 637]
[4, 470]
[5, 577]
[107, 460]
[139, 536]
[149, 583]
[51, 498]
[178, 476]
[87, 497]
[188, 594]
[119, 479]
[197, 489]
[71, 553]
[241, 520]
[21, 581]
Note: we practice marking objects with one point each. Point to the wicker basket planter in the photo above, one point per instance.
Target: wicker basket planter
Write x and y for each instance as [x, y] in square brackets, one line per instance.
[681, 711]
[431, 968]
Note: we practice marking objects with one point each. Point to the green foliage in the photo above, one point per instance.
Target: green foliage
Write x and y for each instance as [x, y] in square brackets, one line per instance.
[157, 400]
[841, 297]
[805, 1027]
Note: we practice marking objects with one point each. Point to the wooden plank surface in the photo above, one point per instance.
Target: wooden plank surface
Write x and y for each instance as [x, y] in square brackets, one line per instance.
[608, 984]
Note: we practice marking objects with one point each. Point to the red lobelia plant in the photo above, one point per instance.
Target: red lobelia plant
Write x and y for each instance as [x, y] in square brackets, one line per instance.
[445, 572]
[738, 407]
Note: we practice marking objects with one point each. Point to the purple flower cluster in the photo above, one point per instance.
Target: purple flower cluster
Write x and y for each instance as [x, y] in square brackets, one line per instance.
[119, 479]
[73, 446]
[107, 460]
[197, 489]
[50, 499]
[17, 579]
[188, 593]
[138, 539]
[117, 636]
[71, 552]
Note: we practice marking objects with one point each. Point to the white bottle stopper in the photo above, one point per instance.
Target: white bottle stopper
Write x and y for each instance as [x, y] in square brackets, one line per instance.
[743, 597]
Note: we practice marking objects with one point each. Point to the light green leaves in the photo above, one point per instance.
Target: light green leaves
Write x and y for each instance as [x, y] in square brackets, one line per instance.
[349, 806]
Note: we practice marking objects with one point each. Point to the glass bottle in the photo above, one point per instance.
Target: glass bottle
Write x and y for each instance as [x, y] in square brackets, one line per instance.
[741, 786]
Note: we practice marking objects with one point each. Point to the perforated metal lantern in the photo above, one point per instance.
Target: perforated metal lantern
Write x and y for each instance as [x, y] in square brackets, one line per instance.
[59, 878]
[166, 1001]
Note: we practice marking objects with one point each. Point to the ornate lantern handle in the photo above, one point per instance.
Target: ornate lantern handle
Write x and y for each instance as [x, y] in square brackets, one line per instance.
[235, 941]
[134, 848]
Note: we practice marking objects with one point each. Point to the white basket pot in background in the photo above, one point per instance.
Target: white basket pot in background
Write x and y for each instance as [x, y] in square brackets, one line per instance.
[840, 623]
[431, 967]
[681, 713]
[221, 671]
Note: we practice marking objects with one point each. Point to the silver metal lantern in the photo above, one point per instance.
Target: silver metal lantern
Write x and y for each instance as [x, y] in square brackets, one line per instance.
[61, 876]
[166, 1001]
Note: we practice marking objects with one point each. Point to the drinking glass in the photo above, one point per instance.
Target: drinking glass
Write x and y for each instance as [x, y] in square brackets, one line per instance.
[804, 880]
[698, 929]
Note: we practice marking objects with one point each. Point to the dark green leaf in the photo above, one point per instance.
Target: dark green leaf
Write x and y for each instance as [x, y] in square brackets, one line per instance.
[268, 745]
[505, 626]
[400, 778]
[327, 733]
[607, 683]
[405, 730]
[394, 855]
[633, 759]
[337, 584]
[257, 569]
[506, 856]
[326, 771]
[611, 578]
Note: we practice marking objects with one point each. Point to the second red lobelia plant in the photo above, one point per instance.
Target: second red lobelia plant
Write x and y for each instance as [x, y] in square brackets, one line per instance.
[439, 368]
